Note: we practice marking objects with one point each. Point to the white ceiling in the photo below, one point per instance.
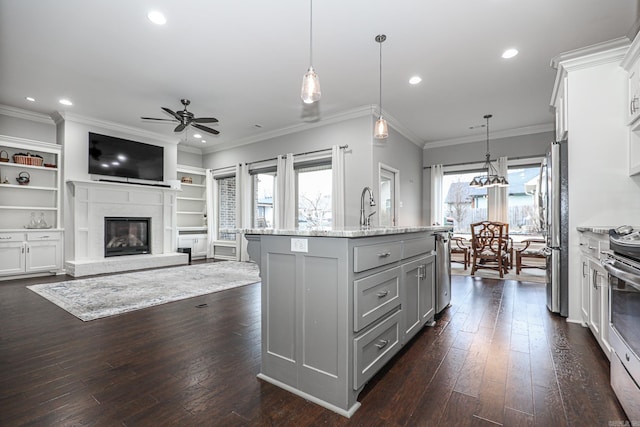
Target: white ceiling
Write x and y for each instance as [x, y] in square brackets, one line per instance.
[243, 61]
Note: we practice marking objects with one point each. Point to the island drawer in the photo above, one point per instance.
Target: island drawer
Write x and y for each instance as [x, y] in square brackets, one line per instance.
[413, 247]
[371, 256]
[374, 348]
[374, 296]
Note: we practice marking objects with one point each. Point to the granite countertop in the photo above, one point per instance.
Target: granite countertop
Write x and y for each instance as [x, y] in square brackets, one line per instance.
[344, 231]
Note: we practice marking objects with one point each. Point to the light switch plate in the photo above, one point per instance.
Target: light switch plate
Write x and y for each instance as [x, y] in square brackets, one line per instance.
[299, 245]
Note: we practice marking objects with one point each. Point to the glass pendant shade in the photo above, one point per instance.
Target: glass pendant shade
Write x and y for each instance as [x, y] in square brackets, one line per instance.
[310, 87]
[381, 130]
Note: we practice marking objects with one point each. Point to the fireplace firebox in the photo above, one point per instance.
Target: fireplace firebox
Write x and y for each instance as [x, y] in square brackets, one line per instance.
[126, 236]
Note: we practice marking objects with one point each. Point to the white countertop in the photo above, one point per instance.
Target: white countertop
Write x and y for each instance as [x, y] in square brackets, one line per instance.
[343, 232]
[601, 229]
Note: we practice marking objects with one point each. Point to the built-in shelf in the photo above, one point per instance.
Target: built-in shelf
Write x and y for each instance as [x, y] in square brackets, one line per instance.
[21, 166]
[27, 187]
[189, 213]
[199, 199]
[16, 201]
[184, 184]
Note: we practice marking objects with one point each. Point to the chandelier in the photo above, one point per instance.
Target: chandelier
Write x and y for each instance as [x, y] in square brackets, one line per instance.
[492, 178]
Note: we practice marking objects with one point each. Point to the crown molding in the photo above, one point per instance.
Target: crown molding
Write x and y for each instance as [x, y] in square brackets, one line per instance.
[597, 54]
[19, 113]
[362, 111]
[509, 133]
[63, 116]
[349, 114]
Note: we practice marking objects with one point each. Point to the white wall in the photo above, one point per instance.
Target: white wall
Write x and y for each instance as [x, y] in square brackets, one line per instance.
[28, 125]
[361, 160]
[190, 158]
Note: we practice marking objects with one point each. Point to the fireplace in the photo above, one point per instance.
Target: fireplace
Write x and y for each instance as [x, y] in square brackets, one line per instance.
[126, 236]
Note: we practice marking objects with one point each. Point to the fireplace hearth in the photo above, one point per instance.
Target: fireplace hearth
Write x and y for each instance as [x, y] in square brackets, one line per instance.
[126, 236]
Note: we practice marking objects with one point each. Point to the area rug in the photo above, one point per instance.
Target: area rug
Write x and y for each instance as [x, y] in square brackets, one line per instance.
[103, 296]
[526, 275]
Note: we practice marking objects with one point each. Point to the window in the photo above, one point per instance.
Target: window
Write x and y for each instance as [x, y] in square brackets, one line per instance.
[463, 205]
[226, 206]
[313, 202]
[263, 186]
[523, 200]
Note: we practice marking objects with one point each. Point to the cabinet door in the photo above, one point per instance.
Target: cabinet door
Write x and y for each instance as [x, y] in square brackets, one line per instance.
[43, 256]
[585, 292]
[416, 298]
[600, 287]
[200, 245]
[11, 258]
[595, 304]
[428, 289]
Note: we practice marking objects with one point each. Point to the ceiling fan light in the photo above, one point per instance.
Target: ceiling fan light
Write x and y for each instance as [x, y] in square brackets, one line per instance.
[310, 92]
[381, 129]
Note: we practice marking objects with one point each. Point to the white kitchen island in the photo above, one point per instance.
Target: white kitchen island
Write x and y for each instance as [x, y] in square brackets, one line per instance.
[337, 305]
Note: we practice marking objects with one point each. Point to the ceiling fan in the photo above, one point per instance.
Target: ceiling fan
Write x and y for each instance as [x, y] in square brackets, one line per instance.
[185, 118]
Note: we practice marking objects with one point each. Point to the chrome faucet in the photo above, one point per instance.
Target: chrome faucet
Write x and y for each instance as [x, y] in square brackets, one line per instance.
[365, 221]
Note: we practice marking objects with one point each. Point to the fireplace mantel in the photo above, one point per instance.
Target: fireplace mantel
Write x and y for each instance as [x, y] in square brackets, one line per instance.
[92, 201]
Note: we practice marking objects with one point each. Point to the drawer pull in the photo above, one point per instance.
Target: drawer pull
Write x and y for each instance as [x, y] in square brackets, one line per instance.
[383, 293]
[45, 237]
[626, 356]
[382, 344]
[384, 255]
[5, 238]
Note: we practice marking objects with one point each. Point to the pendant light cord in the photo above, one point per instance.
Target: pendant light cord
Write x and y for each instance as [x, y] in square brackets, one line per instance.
[381, 78]
[311, 34]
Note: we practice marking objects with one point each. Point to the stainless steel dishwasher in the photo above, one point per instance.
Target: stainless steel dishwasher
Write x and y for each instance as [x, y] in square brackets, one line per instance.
[443, 270]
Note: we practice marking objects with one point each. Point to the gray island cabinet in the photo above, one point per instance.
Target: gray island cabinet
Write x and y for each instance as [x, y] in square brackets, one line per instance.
[339, 304]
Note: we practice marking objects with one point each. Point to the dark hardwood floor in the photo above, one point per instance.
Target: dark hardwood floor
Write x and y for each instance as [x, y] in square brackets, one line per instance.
[495, 357]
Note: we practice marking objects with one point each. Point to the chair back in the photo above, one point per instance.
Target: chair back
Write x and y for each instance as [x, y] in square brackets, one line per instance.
[490, 237]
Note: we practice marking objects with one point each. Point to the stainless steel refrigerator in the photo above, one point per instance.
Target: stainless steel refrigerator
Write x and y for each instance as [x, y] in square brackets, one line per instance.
[554, 215]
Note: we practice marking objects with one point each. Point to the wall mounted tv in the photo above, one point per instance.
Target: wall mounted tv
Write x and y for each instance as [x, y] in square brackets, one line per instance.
[122, 158]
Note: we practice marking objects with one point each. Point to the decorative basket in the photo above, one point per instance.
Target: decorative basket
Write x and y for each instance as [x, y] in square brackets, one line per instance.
[187, 180]
[4, 156]
[27, 159]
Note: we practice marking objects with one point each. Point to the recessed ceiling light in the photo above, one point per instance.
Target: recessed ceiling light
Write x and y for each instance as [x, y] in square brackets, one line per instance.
[204, 141]
[415, 80]
[509, 53]
[30, 99]
[157, 17]
[65, 102]
[197, 135]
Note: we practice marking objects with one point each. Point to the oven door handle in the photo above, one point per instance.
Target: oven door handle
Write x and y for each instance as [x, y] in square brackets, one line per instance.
[614, 269]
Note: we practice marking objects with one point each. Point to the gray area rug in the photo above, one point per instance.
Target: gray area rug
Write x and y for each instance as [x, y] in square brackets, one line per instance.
[104, 296]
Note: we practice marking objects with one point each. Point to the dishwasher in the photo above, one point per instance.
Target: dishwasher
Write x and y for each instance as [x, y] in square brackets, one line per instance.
[443, 270]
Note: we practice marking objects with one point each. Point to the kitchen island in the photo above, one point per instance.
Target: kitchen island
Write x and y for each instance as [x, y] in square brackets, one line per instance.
[337, 305]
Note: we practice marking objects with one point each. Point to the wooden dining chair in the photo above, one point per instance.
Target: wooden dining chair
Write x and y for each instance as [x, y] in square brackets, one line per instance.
[490, 246]
[460, 246]
[533, 250]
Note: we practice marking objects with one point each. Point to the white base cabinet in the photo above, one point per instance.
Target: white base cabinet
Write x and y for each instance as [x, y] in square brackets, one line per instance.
[30, 252]
[198, 243]
[594, 287]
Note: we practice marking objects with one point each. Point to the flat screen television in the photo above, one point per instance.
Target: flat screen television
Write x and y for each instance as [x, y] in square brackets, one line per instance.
[122, 158]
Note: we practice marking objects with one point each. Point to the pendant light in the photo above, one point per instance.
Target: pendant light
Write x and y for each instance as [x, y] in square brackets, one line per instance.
[310, 82]
[380, 130]
[492, 178]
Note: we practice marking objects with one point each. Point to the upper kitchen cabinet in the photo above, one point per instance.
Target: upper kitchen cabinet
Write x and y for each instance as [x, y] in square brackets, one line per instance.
[631, 64]
[560, 104]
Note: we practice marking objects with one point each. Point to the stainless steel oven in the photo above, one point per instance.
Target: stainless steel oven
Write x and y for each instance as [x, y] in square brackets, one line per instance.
[624, 333]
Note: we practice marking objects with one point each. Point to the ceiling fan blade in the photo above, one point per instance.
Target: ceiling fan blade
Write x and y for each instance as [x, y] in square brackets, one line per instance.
[162, 120]
[166, 110]
[205, 120]
[180, 127]
[205, 128]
